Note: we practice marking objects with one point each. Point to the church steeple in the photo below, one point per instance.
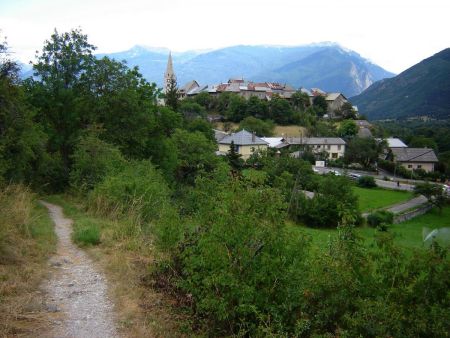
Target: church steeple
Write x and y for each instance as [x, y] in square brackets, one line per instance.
[169, 74]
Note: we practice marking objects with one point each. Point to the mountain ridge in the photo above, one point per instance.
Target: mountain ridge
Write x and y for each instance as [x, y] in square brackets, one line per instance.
[421, 90]
[261, 63]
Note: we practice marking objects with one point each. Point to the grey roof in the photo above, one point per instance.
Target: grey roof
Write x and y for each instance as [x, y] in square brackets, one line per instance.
[364, 132]
[243, 138]
[273, 141]
[219, 134]
[334, 96]
[414, 155]
[315, 140]
[395, 143]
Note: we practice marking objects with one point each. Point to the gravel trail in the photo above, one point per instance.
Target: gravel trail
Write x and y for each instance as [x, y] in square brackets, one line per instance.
[76, 292]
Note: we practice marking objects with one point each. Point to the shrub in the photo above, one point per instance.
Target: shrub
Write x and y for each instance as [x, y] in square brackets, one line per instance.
[139, 189]
[380, 219]
[333, 203]
[367, 182]
[239, 263]
[93, 159]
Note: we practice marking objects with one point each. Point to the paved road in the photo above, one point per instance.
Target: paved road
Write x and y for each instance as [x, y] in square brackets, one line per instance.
[379, 179]
[413, 203]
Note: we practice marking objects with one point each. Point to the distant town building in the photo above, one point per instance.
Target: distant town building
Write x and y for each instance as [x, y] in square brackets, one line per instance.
[245, 143]
[333, 146]
[415, 158]
[169, 75]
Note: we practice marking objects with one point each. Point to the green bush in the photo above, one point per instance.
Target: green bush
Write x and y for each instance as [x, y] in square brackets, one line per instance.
[367, 182]
[334, 203]
[380, 219]
[93, 159]
[139, 189]
[239, 263]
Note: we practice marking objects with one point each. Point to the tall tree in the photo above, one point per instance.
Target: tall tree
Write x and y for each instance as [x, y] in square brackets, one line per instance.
[172, 94]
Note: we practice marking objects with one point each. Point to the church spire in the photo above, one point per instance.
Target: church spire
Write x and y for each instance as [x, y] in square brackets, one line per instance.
[169, 74]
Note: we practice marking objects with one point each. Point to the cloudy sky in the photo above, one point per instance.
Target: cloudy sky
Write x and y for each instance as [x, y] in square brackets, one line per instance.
[394, 34]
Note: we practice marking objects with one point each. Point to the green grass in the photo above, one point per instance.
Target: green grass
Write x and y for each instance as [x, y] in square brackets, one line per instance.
[86, 229]
[407, 234]
[376, 198]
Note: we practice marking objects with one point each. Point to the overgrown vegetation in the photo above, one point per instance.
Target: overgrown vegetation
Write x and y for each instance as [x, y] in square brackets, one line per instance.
[26, 241]
[210, 232]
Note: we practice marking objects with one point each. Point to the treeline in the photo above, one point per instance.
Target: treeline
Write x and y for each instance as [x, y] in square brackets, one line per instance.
[93, 127]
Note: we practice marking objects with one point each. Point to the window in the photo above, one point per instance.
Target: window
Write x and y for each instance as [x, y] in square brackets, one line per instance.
[334, 155]
[409, 166]
[236, 148]
[328, 147]
[339, 147]
[419, 166]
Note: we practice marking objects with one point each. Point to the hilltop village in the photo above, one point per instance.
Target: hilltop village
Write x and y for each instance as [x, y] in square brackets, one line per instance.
[341, 123]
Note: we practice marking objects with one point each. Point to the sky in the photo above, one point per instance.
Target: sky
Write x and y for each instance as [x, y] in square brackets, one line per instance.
[395, 34]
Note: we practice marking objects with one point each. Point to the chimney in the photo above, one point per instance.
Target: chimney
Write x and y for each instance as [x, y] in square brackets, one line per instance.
[253, 137]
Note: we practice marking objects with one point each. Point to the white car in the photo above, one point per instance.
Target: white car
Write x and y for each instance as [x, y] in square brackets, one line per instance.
[334, 172]
[354, 176]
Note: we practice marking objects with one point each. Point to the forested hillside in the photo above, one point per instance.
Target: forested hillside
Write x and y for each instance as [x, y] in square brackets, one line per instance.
[422, 90]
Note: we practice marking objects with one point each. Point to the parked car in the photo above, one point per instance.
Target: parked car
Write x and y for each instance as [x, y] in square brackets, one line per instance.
[334, 172]
[354, 176]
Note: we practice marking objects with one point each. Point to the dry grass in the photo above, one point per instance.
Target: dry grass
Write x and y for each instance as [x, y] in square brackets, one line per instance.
[126, 254]
[285, 131]
[290, 131]
[26, 241]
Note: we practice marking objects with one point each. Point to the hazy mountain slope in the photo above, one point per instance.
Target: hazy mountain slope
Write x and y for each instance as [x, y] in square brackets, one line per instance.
[324, 65]
[333, 70]
[423, 89]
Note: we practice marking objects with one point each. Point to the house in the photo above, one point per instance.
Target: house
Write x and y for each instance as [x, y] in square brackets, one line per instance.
[245, 143]
[335, 101]
[415, 158]
[219, 135]
[333, 146]
[393, 142]
[274, 142]
[189, 87]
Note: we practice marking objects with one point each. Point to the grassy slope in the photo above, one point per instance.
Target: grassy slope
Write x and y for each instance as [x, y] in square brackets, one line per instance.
[27, 240]
[407, 234]
[371, 199]
[126, 254]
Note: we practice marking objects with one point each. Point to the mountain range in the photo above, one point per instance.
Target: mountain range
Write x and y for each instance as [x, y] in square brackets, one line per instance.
[422, 90]
[327, 66]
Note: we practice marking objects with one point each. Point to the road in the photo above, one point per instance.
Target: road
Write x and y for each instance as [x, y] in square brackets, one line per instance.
[379, 179]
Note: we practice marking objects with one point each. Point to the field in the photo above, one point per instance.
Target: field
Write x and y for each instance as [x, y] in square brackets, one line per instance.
[286, 131]
[407, 234]
[376, 198]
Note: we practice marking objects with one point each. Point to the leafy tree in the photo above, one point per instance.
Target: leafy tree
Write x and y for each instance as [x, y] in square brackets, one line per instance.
[320, 105]
[64, 60]
[237, 108]
[234, 158]
[365, 151]
[191, 110]
[260, 127]
[300, 101]
[257, 108]
[195, 155]
[348, 129]
[93, 159]
[202, 126]
[433, 192]
[22, 142]
[280, 110]
[334, 203]
[367, 182]
[346, 111]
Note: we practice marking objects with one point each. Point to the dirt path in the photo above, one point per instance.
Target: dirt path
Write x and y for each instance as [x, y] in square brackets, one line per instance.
[76, 293]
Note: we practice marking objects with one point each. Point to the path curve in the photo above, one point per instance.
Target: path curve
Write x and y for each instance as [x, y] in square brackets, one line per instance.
[76, 293]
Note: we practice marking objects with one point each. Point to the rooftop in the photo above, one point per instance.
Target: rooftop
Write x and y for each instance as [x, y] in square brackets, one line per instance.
[414, 155]
[243, 138]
